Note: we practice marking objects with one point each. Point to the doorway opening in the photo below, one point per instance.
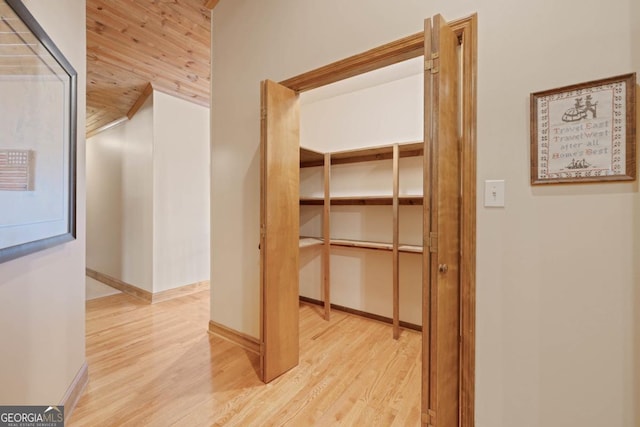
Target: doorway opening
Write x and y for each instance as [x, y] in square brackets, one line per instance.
[449, 229]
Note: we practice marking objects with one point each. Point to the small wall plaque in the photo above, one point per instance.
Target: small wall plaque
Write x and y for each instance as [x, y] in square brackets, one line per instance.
[584, 132]
[16, 170]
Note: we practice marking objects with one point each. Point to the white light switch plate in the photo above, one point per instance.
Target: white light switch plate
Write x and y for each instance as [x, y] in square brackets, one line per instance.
[494, 193]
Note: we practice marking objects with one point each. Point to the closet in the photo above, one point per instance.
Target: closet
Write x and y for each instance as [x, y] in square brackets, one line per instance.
[364, 221]
[445, 246]
[361, 205]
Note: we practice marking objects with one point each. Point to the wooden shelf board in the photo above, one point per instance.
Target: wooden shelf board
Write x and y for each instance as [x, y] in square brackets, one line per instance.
[312, 200]
[375, 245]
[410, 200]
[378, 153]
[306, 242]
[310, 158]
[362, 244]
[363, 200]
[412, 249]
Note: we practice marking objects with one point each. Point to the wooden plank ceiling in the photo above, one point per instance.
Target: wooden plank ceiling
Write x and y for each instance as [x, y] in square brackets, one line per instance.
[134, 43]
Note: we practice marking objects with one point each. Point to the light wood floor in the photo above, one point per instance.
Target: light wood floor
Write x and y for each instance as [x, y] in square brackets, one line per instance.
[156, 365]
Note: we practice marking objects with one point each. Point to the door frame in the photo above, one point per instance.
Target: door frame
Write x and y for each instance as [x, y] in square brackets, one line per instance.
[397, 51]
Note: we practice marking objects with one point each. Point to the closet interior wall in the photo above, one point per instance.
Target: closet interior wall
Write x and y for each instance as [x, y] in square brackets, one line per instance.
[353, 122]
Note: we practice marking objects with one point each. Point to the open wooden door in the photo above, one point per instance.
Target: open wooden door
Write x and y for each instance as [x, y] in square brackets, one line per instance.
[279, 229]
[441, 290]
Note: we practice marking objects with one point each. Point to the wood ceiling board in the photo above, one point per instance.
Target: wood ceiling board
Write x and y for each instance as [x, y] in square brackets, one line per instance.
[147, 66]
[195, 25]
[131, 43]
[119, 25]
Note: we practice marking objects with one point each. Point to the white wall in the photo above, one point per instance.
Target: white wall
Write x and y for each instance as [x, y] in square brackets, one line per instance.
[635, 297]
[181, 192]
[377, 108]
[148, 196]
[42, 294]
[557, 273]
[120, 200]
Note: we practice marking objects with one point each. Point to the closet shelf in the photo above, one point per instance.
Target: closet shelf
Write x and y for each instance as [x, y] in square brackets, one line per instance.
[377, 153]
[411, 249]
[375, 245]
[362, 244]
[306, 242]
[310, 158]
[363, 200]
[390, 155]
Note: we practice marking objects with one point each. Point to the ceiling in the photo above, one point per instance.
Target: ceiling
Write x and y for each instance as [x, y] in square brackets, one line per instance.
[134, 46]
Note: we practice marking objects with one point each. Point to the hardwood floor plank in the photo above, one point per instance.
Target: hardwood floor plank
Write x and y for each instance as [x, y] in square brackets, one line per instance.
[156, 365]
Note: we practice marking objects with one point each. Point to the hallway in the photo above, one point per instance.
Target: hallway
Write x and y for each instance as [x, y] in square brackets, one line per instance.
[157, 365]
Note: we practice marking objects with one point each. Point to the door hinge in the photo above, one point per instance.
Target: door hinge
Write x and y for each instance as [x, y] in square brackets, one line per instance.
[429, 418]
[433, 242]
[428, 63]
[263, 113]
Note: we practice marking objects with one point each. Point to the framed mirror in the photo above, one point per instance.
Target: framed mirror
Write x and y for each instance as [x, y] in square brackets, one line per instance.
[38, 101]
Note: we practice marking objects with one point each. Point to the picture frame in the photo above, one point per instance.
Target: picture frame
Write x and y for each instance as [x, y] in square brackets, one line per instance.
[584, 132]
[38, 141]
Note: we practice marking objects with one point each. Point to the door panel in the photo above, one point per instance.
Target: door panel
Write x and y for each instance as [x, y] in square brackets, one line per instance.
[279, 229]
[444, 286]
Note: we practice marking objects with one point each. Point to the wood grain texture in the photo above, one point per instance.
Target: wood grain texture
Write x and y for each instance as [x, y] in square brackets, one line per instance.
[211, 4]
[146, 93]
[310, 158]
[466, 29]
[131, 43]
[143, 294]
[363, 200]
[280, 228]
[180, 291]
[445, 220]
[365, 314]
[382, 56]
[118, 284]
[411, 149]
[426, 231]
[156, 365]
[395, 258]
[243, 340]
[306, 242]
[326, 235]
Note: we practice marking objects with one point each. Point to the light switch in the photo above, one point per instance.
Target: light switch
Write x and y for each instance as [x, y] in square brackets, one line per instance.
[494, 193]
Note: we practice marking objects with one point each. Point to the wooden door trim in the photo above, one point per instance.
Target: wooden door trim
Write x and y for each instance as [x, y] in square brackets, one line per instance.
[373, 59]
[398, 51]
[467, 30]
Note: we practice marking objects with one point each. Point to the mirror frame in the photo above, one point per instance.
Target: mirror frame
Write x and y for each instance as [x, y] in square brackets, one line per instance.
[19, 250]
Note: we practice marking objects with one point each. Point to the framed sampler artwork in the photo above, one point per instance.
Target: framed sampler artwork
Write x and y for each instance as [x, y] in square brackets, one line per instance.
[584, 132]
